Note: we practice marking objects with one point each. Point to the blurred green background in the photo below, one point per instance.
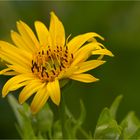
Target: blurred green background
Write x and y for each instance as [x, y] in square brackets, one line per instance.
[118, 22]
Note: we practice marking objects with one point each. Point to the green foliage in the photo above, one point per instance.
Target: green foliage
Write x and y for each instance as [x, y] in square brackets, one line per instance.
[114, 107]
[43, 122]
[23, 117]
[108, 128]
[131, 126]
[44, 126]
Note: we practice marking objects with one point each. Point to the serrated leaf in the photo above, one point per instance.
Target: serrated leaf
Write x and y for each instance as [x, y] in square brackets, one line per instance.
[130, 126]
[107, 127]
[115, 105]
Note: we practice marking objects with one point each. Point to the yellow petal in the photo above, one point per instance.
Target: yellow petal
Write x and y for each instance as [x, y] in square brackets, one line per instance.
[7, 47]
[19, 42]
[88, 65]
[29, 90]
[11, 59]
[39, 100]
[102, 52]
[86, 78]
[28, 35]
[15, 81]
[2, 72]
[10, 73]
[54, 91]
[57, 31]
[19, 69]
[83, 53]
[19, 85]
[43, 34]
[79, 40]
[69, 71]
[14, 54]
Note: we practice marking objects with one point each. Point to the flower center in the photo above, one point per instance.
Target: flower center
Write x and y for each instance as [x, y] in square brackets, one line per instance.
[48, 63]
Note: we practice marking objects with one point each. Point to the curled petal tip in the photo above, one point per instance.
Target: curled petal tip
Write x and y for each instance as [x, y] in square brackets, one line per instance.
[17, 22]
[36, 22]
[58, 103]
[52, 13]
[4, 93]
[12, 31]
[20, 101]
[97, 80]
[20, 21]
[3, 96]
[113, 55]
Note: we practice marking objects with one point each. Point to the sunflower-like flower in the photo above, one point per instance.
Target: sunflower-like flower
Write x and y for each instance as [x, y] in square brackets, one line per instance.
[38, 64]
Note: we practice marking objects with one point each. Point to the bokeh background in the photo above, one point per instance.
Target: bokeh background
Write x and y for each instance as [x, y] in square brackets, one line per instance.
[117, 21]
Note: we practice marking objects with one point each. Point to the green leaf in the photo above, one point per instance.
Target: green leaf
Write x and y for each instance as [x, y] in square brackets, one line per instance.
[130, 126]
[57, 130]
[107, 127]
[22, 114]
[70, 115]
[73, 125]
[115, 105]
[69, 129]
[80, 120]
[15, 106]
[136, 135]
[82, 116]
[69, 124]
[44, 119]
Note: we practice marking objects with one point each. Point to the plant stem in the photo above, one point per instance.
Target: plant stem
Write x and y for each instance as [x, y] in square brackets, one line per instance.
[62, 114]
[86, 135]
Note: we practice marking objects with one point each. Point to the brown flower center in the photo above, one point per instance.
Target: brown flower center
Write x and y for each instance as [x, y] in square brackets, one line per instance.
[48, 63]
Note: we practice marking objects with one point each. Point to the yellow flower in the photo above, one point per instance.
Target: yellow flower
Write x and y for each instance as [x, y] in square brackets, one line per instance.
[39, 64]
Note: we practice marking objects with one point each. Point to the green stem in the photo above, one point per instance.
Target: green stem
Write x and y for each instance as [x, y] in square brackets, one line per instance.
[86, 135]
[63, 116]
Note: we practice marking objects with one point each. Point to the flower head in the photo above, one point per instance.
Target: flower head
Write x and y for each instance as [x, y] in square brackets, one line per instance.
[39, 63]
